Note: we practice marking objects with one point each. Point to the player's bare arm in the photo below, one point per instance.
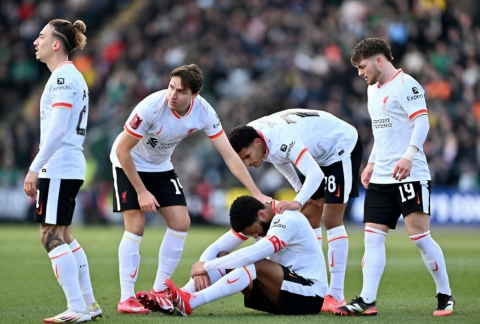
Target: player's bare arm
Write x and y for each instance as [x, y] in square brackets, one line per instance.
[237, 167]
[147, 201]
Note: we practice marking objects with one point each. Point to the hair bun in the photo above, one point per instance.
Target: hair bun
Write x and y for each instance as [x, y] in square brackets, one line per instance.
[80, 26]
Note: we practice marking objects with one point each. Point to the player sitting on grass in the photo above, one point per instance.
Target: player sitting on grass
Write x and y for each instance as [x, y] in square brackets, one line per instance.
[284, 272]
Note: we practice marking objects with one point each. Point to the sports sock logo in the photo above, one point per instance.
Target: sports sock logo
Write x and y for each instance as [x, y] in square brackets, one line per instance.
[232, 281]
[135, 273]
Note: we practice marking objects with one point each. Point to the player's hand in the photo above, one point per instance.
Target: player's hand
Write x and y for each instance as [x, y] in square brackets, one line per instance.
[402, 169]
[201, 282]
[288, 205]
[263, 199]
[147, 202]
[312, 202]
[198, 269]
[367, 175]
[30, 184]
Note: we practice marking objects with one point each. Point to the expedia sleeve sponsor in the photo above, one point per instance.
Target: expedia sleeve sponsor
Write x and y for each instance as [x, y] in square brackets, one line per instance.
[289, 150]
[415, 97]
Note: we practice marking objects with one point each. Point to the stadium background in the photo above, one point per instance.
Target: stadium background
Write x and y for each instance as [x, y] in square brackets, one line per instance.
[257, 57]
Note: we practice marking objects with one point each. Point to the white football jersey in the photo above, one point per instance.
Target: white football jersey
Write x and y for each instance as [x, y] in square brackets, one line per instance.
[297, 248]
[66, 87]
[160, 129]
[392, 107]
[288, 134]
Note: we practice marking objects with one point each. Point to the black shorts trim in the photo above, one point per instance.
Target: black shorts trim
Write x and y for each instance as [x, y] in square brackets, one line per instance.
[288, 303]
[384, 203]
[164, 186]
[56, 200]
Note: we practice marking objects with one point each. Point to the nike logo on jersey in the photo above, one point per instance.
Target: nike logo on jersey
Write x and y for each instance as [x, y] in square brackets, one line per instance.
[159, 131]
[436, 266]
[232, 281]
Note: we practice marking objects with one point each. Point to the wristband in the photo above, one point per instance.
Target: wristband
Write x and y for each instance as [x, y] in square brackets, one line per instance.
[410, 152]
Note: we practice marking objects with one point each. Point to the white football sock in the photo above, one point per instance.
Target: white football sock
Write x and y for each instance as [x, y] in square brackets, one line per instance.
[373, 263]
[230, 284]
[433, 258]
[129, 262]
[214, 275]
[66, 271]
[337, 260]
[169, 256]
[83, 272]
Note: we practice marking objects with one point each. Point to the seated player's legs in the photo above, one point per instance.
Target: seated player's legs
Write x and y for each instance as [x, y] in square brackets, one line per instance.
[266, 293]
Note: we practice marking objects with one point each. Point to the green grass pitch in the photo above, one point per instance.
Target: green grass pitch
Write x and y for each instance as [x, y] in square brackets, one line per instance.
[29, 291]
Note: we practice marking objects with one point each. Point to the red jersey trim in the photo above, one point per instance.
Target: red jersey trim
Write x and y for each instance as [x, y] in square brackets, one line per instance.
[393, 77]
[132, 133]
[216, 135]
[300, 156]
[188, 112]
[63, 63]
[62, 104]
[267, 152]
[418, 113]
[240, 236]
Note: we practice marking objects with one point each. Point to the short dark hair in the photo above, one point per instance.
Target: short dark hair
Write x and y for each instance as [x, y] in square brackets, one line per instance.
[242, 136]
[72, 36]
[244, 212]
[369, 47]
[191, 77]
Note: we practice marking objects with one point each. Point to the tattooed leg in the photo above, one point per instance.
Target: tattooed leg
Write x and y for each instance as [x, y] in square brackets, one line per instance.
[51, 236]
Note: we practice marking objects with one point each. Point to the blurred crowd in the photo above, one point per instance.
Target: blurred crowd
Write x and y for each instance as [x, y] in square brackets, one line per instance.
[257, 57]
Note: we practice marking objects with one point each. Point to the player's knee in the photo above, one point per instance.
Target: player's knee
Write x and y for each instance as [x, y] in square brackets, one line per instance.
[333, 215]
[417, 223]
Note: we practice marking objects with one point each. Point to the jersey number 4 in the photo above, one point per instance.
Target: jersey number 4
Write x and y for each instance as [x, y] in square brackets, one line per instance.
[81, 127]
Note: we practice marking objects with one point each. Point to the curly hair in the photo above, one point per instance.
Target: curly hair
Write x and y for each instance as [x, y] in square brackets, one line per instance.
[244, 212]
[242, 137]
[191, 77]
[369, 47]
